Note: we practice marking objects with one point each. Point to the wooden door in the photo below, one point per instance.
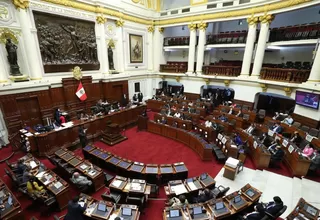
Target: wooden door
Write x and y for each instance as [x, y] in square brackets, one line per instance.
[29, 111]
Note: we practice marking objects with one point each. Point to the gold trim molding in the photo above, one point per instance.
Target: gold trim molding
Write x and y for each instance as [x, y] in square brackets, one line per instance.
[161, 30]
[202, 17]
[6, 33]
[252, 20]
[3, 81]
[101, 20]
[287, 90]
[266, 19]
[264, 87]
[202, 26]
[119, 23]
[178, 78]
[151, 29]
[192, 27]
[226, 82]
[21, 4]
[207, 81]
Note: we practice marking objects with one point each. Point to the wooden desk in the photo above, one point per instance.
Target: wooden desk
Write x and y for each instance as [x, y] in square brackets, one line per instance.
[11, 212]
[92, 211]
[166, 214]
[68, 137]
[135, 214]
[155, 105]
[190, 139]
[171, 121]
[305, 209]
[221, 213]
[198, 211]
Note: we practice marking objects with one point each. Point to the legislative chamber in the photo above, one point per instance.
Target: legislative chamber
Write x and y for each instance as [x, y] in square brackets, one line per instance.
[159, 109]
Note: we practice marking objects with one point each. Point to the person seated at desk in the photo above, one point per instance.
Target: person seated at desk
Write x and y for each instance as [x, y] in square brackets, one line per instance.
[296, 138]
[135, 98]
[163, 120]
[183, 116]
[278, 154]
[26, 175]
[21, 167]
[208, 124]
[272, 148]
[59, 117]
[257, 214]
[84, 116]
[154, 97]
[34, 189]
[75, 210]
[177, 202]
[204, 196]
[315, 163]
[173, 108]
[237, 140]
[272, 207]
[190, 104]
[239, 114]
[230, 110]
[276, 128]
[223, 118]
[251, 129]
[80, 180]
[177, 115]
[288, 120]
[175, 124]
[308, 150]
[276, 116]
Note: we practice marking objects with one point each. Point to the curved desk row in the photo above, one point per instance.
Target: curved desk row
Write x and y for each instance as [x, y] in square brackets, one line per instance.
[304, 210]
[190, 139]
[44, 143]
[136, 170]
[225, 207]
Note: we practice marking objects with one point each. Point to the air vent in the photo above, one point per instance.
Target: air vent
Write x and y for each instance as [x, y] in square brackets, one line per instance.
[185, 10]
[211, 6]
[174, 12]
[163, 14]
[226, 4]
[244, 1]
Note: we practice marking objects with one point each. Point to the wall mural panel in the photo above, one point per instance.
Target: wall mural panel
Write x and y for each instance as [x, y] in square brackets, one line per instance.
[65, 43]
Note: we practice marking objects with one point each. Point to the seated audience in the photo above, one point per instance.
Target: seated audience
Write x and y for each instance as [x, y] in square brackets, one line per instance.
[21, 167]
[204, 196]
[177, 115]
[230, 110]
[296, 138]
[80, 180]
[278, 154]
[75, 210]
[288, 120]
[208, 124]
[237, 140]
[257, 214]
[273, 207]
[251, 129]
[315, 162]
[183, 116]
[308, 150]
[175, 124]
[276, 128]
[239, 114]
[177, 202]
[190, 103]
[272, 148]
[26, 175]
[34, 189]
[277, 115]
[173, 108]
[265, 139]
[163, 120]
[223, 118]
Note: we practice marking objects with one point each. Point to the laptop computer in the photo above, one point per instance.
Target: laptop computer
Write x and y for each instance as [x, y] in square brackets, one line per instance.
[203, 176]
[197, 210]
[237, 199]
[174, 213]
[250, 193]
[102, 207]
[219, 205]
[126, 211]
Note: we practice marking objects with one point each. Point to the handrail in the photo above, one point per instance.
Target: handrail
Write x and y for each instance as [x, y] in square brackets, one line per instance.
[221, 70]
[284, 75]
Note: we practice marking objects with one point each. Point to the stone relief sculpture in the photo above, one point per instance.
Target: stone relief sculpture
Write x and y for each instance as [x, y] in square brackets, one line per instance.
[65, 41]
[13, 58]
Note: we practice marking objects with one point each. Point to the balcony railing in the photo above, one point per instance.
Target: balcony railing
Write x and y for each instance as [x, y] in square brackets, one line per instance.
[174, 67]
[222, 70]
[233, 37]
[284, 75]
[176, 41]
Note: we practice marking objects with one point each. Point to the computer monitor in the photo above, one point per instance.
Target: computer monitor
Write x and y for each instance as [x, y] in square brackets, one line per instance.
[10, 200]
[250, 193]
[190, 180]
[127, 211]
[219, 205]
[174, 213]
[237, 199]
[197, 210]
[102, 207]
[203, 176]
[312, 211]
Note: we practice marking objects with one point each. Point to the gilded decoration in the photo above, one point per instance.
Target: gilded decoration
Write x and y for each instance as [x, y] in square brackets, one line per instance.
[6, 33]
[177, 78]
[266, 18]
[21, 4]
[111, 44]
[120, 23]
[151, 29]
[101, 20]
[161, 30]
[202, 26]
[226, 82]
[192, 27]
[252, 20]
[202, 17]
[3, 12]
[264, 87]
[287, 90]
[77, 74]
[207, 81]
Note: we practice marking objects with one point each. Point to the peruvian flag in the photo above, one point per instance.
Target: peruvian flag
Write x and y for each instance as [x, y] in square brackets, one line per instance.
[81, 93]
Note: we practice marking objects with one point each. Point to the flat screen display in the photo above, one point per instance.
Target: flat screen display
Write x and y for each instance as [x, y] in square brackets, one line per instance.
[174, 213]
[127, 211]
[250, 193]
[307, 99]
[237, 199]
[203, 176]
[219, 205]
[102, 207]
[197, 210]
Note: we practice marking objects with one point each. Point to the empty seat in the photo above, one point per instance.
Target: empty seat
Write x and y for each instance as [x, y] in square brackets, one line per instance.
[296, 124]
[304, 128]
[314, 132]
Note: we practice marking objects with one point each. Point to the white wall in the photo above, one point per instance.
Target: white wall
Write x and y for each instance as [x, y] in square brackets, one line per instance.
[177, 55]
[170, 4]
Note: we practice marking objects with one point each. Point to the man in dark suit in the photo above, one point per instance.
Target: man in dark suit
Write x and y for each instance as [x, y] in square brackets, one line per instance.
[274, 207]
[315, 163]
[257, 214]
[140, 96]
[82, 136]
[277, 128]
[75, 211]
[296, 138]
[204, 196]
[278, 154]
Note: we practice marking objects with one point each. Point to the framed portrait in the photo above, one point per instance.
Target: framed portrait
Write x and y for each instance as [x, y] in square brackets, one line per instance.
[136, 48]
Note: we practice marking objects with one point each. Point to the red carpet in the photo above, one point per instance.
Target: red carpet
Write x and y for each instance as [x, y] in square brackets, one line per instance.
[142, 147]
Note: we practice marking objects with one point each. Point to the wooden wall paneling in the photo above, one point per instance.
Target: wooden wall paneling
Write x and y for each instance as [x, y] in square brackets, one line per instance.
[241, 102]
[57, 98]
[113, 90]
[306, 121]
[192, 96]
[29, 110]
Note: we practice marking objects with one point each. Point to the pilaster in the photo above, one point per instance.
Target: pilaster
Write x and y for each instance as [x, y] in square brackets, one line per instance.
[192, 47]
[201, 46]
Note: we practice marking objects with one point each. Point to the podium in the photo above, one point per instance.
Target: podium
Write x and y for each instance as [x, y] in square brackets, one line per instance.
[112, 135]
[142, 122]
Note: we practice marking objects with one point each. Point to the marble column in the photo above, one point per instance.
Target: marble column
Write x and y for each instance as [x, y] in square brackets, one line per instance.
[158, 54]
[315, 70]
[262, 43]
[150, 48]
[3, 74]
[201, 46]
[30, 44]
[102, 46]
[119, 47]
[251, 39]
[192, 47]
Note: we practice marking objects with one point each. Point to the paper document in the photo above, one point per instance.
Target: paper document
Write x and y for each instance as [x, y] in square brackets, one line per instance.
[83, 166]
[116, 183]
[57, 185]
[33, 164]
[192, 186]
[39, 175]
[28, 134]
[81, 204]
[179, 189]
[136, 186]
